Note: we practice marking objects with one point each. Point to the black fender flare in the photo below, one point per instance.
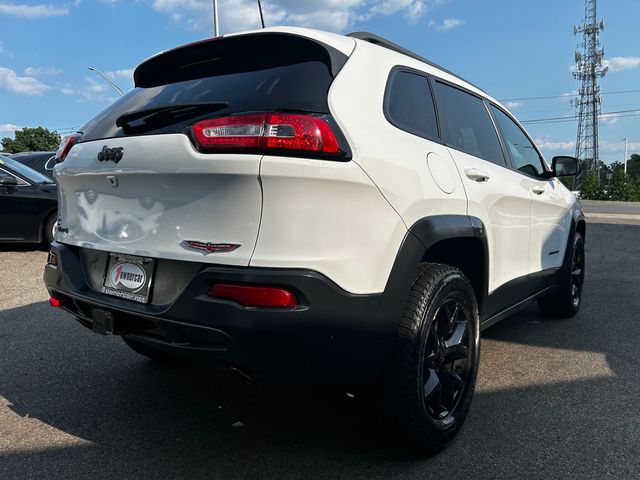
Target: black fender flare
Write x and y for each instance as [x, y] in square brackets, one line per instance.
[576, 218]
[421, 236]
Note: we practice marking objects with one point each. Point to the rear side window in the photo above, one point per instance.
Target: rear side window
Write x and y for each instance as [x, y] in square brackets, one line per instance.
[466, 124]
[409, 104]
[218, 77]
[524, 155]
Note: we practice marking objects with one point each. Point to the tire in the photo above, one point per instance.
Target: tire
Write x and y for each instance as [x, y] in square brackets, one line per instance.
[152, 353]
[566, 300]
[49, 225]
[430, 384]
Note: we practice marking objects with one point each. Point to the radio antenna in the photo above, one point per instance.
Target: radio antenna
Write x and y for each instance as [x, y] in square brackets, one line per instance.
[261, 16]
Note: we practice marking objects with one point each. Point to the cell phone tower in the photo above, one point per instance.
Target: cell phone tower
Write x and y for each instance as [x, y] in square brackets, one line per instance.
[588, 70]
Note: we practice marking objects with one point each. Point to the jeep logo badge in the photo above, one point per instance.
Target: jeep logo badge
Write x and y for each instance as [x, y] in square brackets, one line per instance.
[110, 154]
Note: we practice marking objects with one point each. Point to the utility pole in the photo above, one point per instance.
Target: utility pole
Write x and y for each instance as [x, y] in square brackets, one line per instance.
[216, 30]
[588, 70]
[626, 144]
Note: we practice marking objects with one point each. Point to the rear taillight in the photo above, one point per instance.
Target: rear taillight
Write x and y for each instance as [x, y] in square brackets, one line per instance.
[65, 145]
[268, 131]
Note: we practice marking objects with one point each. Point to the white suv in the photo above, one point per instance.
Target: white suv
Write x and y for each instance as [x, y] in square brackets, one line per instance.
[290, 202]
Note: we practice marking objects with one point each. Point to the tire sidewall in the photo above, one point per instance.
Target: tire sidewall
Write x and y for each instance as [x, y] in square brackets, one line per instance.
[458, 286]
[48, 233]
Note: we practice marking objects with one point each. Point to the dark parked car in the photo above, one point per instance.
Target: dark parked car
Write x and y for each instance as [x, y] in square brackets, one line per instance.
[42, 162]
[28, 203]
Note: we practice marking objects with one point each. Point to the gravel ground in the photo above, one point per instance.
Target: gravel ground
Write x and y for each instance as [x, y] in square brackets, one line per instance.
[555, 399]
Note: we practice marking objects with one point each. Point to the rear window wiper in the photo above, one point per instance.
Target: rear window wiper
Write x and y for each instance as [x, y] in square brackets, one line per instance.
[150, 118]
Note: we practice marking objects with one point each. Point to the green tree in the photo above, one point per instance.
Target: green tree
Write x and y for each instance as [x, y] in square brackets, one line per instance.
[633, 166]
[31, 140]
[621, 187]
[589, 187]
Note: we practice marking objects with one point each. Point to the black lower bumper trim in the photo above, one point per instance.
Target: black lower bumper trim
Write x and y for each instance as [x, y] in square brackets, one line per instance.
[331, 333]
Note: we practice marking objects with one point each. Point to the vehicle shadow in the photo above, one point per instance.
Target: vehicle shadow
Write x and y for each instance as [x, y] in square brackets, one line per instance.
[555, 399]
[23, 247]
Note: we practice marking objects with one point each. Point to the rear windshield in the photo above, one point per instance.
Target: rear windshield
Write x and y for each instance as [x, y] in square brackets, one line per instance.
[262, 72]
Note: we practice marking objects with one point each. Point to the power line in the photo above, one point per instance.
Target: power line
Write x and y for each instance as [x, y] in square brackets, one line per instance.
[564, 95]
[573, 119]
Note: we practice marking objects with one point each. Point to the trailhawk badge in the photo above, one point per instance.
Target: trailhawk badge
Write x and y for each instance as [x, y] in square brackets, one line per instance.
[128, 277]
[209, 247]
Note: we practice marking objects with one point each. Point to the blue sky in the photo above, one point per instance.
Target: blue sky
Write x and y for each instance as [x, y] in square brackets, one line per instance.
[511, 49]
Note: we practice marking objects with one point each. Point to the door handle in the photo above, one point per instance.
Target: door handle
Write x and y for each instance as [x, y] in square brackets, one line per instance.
[538, 190]
[477, 175]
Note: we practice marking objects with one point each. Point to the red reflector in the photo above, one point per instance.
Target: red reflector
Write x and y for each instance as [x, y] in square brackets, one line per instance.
[249, 296]
[279, 131]
[54, 302]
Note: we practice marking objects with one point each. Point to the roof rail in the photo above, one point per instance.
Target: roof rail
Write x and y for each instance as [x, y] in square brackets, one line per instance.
[383, 42]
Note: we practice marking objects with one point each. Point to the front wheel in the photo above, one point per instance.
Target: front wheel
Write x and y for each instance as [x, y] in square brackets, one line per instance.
[565, 302]
[435, 360]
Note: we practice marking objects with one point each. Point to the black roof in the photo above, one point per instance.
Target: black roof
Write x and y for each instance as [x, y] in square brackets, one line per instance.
[383, 42]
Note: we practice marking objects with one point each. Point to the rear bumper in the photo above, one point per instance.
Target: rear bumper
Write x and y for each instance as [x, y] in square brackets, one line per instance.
[331, 334]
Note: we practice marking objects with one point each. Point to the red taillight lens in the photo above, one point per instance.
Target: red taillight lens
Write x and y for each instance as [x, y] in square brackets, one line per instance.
[267, 131]
[255, 296]
[65, 145]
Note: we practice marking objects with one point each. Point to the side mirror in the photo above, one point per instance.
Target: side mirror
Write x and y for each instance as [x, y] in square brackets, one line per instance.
[8, 181]
[565, 166]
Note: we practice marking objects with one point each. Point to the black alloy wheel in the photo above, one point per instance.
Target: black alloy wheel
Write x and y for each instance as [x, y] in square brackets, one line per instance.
[434, 365]
[565, 300]
[446, 360]
[577, 272]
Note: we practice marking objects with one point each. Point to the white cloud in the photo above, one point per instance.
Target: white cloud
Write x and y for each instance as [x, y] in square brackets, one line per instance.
[332, 15]
[9, 128]
[122, 73]
[447, 24]
[613, 147]
[617, 64]
[13, 83]
[551, 145]
[94, 91]
[512, 104]
[41, 71]
[31, 12]
[609, 117]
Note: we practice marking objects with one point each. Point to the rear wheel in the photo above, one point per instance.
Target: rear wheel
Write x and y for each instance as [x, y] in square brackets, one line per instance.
[434, 365]
[565, 302]
[150, 352]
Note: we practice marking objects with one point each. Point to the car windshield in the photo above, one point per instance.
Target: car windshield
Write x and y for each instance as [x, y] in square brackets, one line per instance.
[28, 173]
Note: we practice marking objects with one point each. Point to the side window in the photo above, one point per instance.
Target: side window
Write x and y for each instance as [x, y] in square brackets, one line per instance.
[21, 182]
[409, 104]
[466, 124]
[525, 157]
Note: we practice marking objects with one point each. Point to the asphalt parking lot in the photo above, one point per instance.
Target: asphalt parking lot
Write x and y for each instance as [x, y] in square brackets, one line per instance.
[555, 399]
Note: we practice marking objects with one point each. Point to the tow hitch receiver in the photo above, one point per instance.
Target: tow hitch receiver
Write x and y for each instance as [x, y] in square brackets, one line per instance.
[102, 321]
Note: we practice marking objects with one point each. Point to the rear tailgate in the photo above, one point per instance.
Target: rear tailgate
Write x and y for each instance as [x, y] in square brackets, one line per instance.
[139, 183]
[160, 195]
